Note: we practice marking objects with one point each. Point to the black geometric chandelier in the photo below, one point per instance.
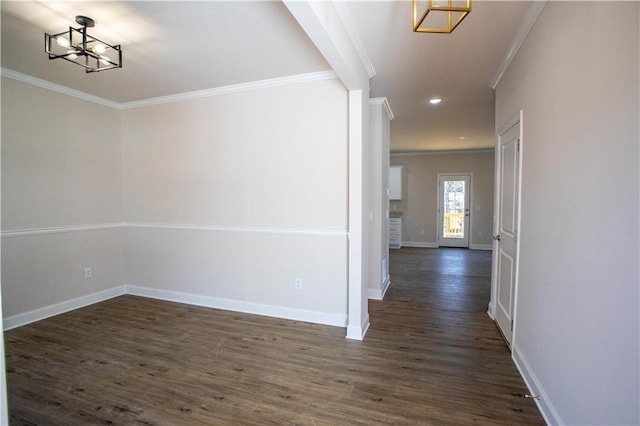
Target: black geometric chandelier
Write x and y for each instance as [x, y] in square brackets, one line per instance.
[77, 46]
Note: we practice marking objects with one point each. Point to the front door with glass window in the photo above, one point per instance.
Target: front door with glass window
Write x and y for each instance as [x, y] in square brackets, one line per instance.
[453, 210]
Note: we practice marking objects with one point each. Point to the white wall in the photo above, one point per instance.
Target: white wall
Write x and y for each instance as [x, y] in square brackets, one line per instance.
[577, 319]
[263, 174]
[223, 201]
[61, 169]
[420, 201]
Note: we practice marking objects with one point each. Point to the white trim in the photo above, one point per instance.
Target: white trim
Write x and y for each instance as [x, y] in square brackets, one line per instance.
[481, 246]
[385, 286]
[546, 408]
[385, 104]
[62, 307]
[454, 242]
[419, 244]
[375, 294]
[59, 229]
[516, 285]
[179, 97]
[43, 84]
[358, 332]
[443, 152]
[527, 23]
[517, 119]
[316, 317]
[185, 227]
[233, 88]
[247, 229]
[490, 312]
[347, 22]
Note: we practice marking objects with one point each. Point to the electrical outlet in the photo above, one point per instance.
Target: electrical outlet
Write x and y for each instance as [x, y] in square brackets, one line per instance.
[88, 272]
[297, 283]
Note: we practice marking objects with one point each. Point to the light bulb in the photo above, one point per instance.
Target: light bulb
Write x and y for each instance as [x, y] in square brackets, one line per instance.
[71, 54]
[99, 49]
[105, 60]
[62, 42]
[435, 101]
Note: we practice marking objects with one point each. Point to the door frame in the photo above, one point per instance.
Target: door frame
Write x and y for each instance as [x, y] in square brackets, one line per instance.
[497, 208]
[440, 213]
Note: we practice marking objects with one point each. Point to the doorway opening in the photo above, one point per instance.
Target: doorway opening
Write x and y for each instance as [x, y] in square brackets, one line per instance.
[454, 196]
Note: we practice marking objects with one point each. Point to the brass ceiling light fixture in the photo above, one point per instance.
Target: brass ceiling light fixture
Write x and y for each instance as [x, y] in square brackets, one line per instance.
[81, 48]
[440, 16]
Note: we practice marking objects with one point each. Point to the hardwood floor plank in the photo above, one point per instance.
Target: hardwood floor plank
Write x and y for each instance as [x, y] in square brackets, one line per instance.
[431, 356]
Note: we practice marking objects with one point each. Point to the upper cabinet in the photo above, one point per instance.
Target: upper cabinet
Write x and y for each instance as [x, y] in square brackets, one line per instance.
[395, 183]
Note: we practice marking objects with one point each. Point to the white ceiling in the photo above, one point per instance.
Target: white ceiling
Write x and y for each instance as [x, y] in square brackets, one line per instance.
[168, 47]
[413, 67]
[177, 47]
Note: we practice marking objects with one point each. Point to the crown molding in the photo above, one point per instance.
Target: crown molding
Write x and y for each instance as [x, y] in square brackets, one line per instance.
[64, 90]
[216, 91]
[385, 103]
[447, 152]
[345, 16]
[233, 88]
[527, 23]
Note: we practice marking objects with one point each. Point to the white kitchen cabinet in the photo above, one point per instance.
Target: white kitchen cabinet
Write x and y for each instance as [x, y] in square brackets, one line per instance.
[395, 183]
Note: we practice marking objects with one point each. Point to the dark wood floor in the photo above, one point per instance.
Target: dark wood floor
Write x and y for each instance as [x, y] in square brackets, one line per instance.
[431, 356]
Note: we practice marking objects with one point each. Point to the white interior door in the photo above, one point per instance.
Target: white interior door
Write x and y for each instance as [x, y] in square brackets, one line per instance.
[454, 194]
[506, 238]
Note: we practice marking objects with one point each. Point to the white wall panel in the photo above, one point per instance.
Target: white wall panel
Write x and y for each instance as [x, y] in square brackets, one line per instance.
[267, 168]
[272, 159]
[43, 270]
[61, 162]
[61, 169]
[253, 267]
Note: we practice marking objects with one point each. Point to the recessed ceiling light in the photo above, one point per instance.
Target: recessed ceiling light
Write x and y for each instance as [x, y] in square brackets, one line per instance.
[435, 101]
[462, 138]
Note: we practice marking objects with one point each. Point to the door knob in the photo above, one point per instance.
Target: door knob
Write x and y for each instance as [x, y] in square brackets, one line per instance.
[497, 237]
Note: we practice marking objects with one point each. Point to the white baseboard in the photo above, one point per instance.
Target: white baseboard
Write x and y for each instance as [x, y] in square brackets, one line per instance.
[357, 332]
[548, 411]
[490, 312]
[385, 287]
[480, 246]
[374, 294]
[337, 320]
[419, 244]
[379, 294]
[62, 307]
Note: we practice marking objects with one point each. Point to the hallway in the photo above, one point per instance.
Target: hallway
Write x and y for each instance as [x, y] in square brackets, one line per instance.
[435, 312]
